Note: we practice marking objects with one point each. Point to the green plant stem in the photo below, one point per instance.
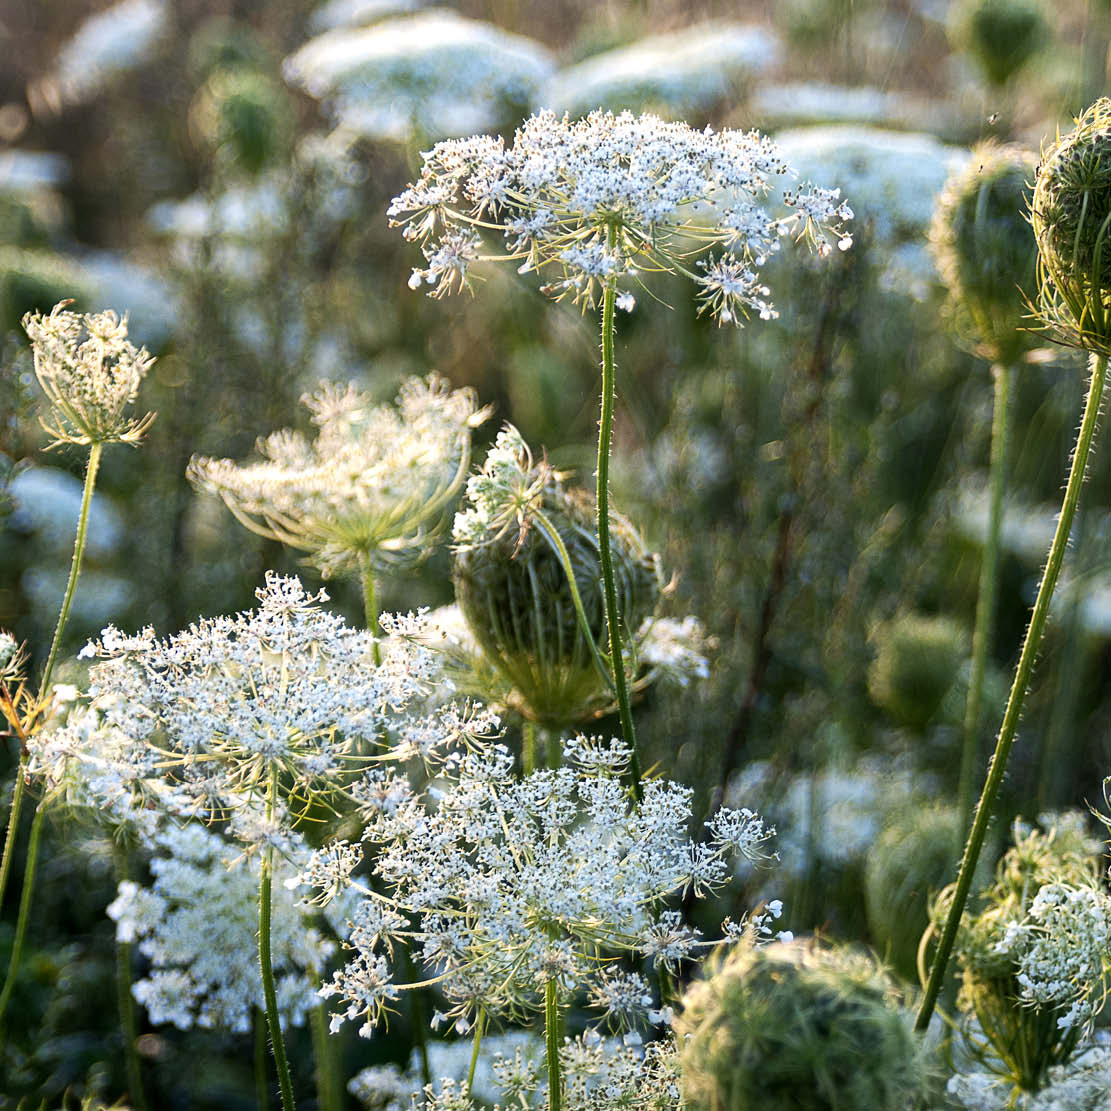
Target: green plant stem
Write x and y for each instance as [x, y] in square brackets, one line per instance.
[552, 1031]
[479, 1031]
[528, 747]
[554, 744]
[555, 541]
[24, 912]
[988, 593]
[322, 1050]
[48, 671]
[262, 1084]
[126, 1002]
[1013, 710]
[273, 1020]
[370, 602]
[609, 591]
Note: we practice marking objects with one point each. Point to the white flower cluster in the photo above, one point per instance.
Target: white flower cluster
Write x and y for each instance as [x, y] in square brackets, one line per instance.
[12, 659]
[426, 76]
[197, 924]
[678, 72]
[599, 1074]
[1061, 950]
[502, 884]
[503, 492]
[210, 719]
[1084, 1084]
[375, 482]
[90, 373]
[603, 200]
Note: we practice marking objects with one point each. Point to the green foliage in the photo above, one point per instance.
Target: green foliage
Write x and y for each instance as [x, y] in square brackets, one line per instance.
[917, 661]
[794, 1026]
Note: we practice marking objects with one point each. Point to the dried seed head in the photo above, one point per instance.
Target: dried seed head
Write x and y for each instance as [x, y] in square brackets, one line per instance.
[1071, 215]
[91, 374]
[984, 248]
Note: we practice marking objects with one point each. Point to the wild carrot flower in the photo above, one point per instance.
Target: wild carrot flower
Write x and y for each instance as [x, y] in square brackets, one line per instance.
[284, 693]
[613, 198]
[505, 885]
[197, 923]
[376, 480]
[90, 373]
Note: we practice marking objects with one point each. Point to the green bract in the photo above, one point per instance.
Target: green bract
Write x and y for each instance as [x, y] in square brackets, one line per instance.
[1071, 215]
[984, 249]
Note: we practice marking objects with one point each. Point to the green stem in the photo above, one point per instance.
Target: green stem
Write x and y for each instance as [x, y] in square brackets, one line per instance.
[262, 1085]
[609, 591]
[988, 594]
[370, 602]
[48, 670]
[479, 1031]
[126, 1004]
[528, 748]
[1013, 711]
[548, 531]
[554, 743]
[24, 911]
[551, 1036]
[266, 967]
[322, 1051]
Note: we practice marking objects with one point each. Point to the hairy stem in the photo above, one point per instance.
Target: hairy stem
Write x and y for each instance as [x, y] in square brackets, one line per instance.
[24, 911]
[988, 594]
[262, 1083]
[552, 1032]
[1013, 710]
[48, 670]
[266, 967]
[609, 591]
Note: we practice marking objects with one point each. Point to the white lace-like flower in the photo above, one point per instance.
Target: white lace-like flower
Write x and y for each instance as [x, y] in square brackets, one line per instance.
[90, 373]
[375, 482]
[197, 924]
[209, 719]
[505, 883]
[609, 198]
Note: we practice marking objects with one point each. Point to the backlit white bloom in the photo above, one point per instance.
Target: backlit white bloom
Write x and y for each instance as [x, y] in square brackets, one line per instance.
[374, 484]
[425, 76]
[678, 73]
[507, 883]
[1084, 1084]
[285, 697]
[108, 43]
[90, 373]
[358, 13]
[799, 103]
[601, 201]
[197, 925]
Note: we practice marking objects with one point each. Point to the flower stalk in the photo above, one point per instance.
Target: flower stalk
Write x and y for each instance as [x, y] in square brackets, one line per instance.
[552, 1032]
[986, 804]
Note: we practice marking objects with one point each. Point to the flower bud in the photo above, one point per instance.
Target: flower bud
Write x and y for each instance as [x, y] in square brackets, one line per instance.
[984, 249]
[1001, 35]
[793, 1026]
[515, 595]
[1071, 216]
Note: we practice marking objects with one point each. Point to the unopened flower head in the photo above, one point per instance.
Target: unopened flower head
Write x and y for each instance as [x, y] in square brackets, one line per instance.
[284, 698]
[1071, 216]
[602, 201]
[13, 659]
[375, 483]
[512, 584]
[91, 374]
[503, 884]
[197, 924]
[984, 248]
